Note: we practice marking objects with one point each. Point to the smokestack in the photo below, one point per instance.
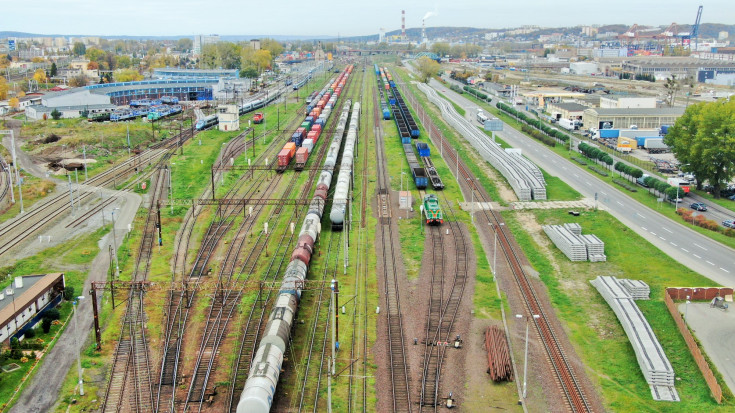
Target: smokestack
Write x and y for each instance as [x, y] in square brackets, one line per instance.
[403, 25]
[423, 31]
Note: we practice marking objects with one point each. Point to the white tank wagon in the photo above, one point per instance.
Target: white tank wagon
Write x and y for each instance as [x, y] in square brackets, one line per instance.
[342, 188]
[260, 387]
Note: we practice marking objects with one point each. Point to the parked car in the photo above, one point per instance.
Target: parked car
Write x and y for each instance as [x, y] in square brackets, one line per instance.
[698, 206]
[729, 223]
[732, 197]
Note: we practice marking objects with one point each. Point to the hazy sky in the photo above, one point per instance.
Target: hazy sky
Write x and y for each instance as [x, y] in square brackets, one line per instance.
[332, 18]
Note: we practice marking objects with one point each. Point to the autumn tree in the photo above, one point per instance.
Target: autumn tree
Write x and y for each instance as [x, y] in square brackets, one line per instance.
[440, 48]
[14, 103]
[123, 62]
[703, 140]
[3, 88]
[428, 68]
[93, 66]
[78, 81]
[40, 76]
[127, 75]
[271, 45]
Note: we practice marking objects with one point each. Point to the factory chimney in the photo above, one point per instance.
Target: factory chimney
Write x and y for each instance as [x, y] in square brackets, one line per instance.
[403, 25]
[423, 32]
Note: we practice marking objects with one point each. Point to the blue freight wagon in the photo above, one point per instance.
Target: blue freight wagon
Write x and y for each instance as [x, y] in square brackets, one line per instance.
[423, 149]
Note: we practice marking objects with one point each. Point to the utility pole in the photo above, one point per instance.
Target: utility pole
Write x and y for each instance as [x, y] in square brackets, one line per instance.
[84, 154]
[71, 194]
[128, 135]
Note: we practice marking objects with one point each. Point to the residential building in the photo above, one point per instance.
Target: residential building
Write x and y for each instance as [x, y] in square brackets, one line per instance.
[24, 300]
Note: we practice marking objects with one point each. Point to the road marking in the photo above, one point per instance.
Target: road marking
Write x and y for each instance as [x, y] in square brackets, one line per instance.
[667, 230]
[662, 238]
[709, 263]
[575, 175]
[697, 256]
[619, 203]
[725, 270]
[544, 155]
[654, 233]
[564, 168]
[640, 215]
[644, 228]
[588, 183]
[697, 245]
[603, 193]
[553, 161]
[673, 244]
[685, 250]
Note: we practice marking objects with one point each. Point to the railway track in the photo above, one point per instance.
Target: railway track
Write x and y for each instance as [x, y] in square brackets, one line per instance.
[571, 388]
[5, 181]
[398, 368]
[26, 225]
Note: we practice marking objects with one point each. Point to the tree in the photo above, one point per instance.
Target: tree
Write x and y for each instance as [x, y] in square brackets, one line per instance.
[95, 55]
[46, 325]
[78, 81]
[273, 46]
[39, 76]
[14, 103]
[69, 292]
[440, 48]
[703, 140]
[93, 66]
[53, 70]
[672, 88]
[55, 114]
[127, 75]
[123, 62]
[249, 72]
[428, 68]
[79, 49]
[3, 88]
[184, 44]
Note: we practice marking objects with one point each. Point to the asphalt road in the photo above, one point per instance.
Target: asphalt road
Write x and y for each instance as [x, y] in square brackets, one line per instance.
[703, 255]
[715, 329]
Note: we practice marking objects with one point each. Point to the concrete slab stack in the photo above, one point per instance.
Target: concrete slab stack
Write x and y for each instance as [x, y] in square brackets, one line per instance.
[651, 358]
[637, 289]
[567, 242]
[595, 248]
[574, 227]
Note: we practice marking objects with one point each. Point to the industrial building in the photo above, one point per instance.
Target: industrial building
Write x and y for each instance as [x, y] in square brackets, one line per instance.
[23, 301]
[172, 73]
[627, 101]
[566, 110]
[643, 118]
[228, 118]
[663, 67]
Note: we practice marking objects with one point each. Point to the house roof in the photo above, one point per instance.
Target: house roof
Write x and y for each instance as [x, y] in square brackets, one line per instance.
[33, 286]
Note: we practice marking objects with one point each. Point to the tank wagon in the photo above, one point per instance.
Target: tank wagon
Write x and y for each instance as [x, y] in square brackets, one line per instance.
[344, 178]
[260, 387]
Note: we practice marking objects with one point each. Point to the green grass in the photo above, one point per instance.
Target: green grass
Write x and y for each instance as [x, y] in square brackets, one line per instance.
[34, 190]
[558, 190]
[591, 325]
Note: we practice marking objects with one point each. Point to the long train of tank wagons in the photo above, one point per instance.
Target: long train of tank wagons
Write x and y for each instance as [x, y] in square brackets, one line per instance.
[260, 387]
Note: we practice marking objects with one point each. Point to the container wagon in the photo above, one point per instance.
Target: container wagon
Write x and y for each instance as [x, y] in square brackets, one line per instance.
[417, 171]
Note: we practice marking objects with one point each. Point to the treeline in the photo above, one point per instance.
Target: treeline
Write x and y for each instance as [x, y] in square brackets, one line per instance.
[542, 131]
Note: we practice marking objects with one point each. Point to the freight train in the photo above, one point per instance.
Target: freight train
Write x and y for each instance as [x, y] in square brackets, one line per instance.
[344, 178]
[260, 387]
[318, 111]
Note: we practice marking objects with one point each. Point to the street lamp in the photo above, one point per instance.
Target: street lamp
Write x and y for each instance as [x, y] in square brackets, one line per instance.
[76, 340]
[686, 310]
[525, 358]
[114, 244]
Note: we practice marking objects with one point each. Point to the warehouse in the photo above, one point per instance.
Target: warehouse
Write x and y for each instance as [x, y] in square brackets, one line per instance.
[643, 118]
[23, 301]
[172, 73]
[39, 112]
[565, 110]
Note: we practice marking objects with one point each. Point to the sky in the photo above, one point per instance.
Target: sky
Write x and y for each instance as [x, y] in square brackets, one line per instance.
[335, 18]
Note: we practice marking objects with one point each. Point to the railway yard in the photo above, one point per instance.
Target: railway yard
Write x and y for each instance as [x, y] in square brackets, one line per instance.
[358, 250]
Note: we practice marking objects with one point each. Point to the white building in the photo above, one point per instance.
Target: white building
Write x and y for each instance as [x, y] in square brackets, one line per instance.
[583, 68]
[202, 40]
[25, 298]
[627, 102]
[228, 117]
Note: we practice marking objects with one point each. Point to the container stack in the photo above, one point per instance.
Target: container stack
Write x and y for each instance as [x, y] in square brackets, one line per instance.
[651, 358]
[636, 288]
[569, 239]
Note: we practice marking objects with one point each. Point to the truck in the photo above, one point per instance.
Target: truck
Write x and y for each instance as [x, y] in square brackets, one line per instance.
[633, 133]
[655, 145]
[681, 183]
[625, 145]
[566, 124]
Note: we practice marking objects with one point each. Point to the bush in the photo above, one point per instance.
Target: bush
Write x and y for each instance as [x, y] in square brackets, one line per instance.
[597, 170]
[46, 325]
[69, 293]
[51, 314]
[55, 114]
[579, 161]
[625, 185]
[30, 333]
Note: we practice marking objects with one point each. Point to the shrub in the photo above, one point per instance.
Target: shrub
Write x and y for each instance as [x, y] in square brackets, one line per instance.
[625, 185]
[52, 314]
[597, 170]
[30, 333]
[46, 325]
[55, 114]
[69, 293]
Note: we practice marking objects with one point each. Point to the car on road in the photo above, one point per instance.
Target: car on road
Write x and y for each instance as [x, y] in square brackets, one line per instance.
[728, 223]
[698, 206]
[731, 198]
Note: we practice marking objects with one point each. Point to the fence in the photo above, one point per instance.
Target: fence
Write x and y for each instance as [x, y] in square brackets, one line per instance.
[699, 294]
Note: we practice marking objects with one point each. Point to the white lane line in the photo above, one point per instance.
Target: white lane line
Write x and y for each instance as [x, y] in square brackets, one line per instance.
[564, 168]
[603, 193]
[725, 270]
[662, 238]
[654, 233]
[642, 216]
[644, 228]
[588, 183]
[619, 203]
[697, 256]
[697, 245]
[553, 161]
[544, 155]
[673, 244]
[575, 175]
[667, 230]
[685, 250]
[709, 263]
